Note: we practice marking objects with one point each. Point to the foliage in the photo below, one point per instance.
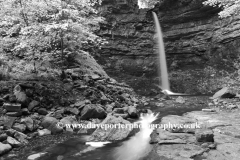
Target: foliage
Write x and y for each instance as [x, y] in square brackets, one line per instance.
[147, 3]
[230, 7]
[50, 30]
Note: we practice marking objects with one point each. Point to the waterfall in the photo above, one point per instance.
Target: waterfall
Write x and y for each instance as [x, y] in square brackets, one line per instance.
[163, 73]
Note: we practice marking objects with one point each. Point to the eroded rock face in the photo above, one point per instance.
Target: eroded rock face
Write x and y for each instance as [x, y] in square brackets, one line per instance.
[192, 34]
[194, 37]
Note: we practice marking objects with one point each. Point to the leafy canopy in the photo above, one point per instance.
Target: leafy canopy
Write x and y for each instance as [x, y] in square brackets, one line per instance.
[48, 25]
[147, 3]
[230, 7]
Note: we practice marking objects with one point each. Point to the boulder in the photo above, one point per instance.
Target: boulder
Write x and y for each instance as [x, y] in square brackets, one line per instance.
[204, 135]
[7, 121]
[132, 112]
[12, 107]
[4, 148]
[74, 111]
[28, 121]
[179, 151]
[111, 132]
[50, 123]
[162, 136]
[3, 137]
[44, 132]
[19, 127]
[32, 105]
[93, 111]
[180, 100]
[25, 111]
[36, 156]
[69, 120]
[13, 142]
[42, 111]
[22, 138]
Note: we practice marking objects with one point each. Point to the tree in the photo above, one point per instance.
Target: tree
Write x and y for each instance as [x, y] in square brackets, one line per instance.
[51, 29]
[230, 7]
[147, 3]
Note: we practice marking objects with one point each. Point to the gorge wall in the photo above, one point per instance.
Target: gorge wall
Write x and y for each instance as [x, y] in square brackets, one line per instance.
[194, 36]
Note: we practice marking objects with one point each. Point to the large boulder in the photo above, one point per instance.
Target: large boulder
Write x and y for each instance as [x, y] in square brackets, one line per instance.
[162, 136]
[50, 123]
[12, 107]
[179, 151]
[28, 121]
[13, 142]
[93, 111]
[32, 105]
[4, 148]
[204, 135]
[109, 132]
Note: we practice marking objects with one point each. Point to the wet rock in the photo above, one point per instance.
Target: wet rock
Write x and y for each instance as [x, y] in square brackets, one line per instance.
[204, 135]
[42, 111]
[44, 132]
[162, 136]
[111, 133]
[13, 142]
[132, 112]
[118, 110]
[109, 108]
[4, 148]
[19, 127]
[3, 137]
[179, 151]
[12, 107]
[180, 100]
[50, 123]
[93, 111]
[158, 104]
[36, 156]
[32, 105]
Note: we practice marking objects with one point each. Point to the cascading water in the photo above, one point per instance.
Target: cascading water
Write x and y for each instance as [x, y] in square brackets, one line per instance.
[163, 73]
[138, 146]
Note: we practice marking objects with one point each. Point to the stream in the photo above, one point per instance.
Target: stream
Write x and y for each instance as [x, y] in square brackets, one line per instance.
[72, 147]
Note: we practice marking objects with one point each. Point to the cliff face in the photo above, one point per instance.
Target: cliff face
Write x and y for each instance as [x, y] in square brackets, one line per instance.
[194, 36]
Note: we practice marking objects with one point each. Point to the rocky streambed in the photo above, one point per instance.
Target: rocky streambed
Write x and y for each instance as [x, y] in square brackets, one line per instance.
[33, 133]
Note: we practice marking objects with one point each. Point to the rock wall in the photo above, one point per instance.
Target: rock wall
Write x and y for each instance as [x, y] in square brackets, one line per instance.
[194, 36]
